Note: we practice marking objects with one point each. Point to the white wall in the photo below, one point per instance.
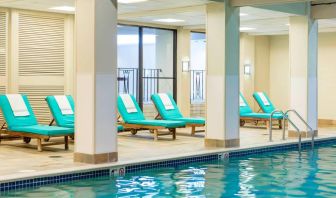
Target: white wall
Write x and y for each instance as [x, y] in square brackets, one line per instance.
[279, 71]
[327, 76]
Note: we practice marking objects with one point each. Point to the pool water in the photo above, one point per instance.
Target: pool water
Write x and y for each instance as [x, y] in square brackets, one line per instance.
[276, 174]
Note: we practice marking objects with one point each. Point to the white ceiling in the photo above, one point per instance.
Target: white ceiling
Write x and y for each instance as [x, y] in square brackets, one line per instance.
[192, 12]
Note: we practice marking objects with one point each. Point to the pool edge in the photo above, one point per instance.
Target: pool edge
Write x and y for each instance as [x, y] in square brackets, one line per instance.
[94, 171]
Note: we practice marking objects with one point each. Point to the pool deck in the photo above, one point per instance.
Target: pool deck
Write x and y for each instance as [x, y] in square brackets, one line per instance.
[22, 161]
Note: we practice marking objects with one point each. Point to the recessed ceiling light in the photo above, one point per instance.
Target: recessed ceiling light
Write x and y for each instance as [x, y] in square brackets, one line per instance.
[243, 14]
[169, 20]
[246, 28]
[131, 1]
[63, 8]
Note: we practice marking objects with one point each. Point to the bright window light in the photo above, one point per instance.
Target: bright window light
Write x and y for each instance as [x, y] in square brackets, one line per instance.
[134, 39]
[169, 20]
[131, 1]
[243, 14]
[64, 8]
[246, 28]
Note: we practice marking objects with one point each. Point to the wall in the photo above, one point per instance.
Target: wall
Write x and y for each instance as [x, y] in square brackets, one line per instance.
[261, 68]
[327, 76]
[279, 71]
[247, 56]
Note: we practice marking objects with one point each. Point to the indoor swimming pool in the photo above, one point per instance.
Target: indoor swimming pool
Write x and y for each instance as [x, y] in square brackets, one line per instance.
[276, 174]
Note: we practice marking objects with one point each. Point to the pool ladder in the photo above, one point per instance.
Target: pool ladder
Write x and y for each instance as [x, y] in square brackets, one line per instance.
[286, 117]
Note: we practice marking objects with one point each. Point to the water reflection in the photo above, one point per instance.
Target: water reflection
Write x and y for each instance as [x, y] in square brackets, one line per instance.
[278, 174]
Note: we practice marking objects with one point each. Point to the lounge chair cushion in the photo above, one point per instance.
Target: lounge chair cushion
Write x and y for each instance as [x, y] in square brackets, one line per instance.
[166, 114]
[120, 128]
[269, 108]
[244, 108]
[138, 115]
[276, 116]
[15, 121]
[246, 111]
[161, 123]
[44, 130]
[200, 121]
[61, 120]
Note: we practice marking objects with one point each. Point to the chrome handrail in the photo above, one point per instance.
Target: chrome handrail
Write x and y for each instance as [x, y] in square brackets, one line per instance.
[304, 122]
[271, 124]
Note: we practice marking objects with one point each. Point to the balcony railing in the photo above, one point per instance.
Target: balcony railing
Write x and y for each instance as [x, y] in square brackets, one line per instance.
[151, 83]
[197, 94]
[128, 82]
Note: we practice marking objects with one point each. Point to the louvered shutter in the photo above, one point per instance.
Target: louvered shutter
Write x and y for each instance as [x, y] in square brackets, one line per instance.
[41, 45]
[3, 42]
[3, 53]
[41, 55]
[37, 95]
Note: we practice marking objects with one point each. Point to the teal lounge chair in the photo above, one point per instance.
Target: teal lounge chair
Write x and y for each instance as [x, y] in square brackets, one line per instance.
[168, 110]
[134, 119]
[21, 122]
[247, 114]
[264, 102]
[62, 116]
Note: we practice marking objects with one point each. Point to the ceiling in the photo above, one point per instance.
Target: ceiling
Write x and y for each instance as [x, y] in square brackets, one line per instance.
[192, 12]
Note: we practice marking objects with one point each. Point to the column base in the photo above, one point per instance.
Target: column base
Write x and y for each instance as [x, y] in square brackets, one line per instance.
[96, 158]
[305, 134]
[222, 143]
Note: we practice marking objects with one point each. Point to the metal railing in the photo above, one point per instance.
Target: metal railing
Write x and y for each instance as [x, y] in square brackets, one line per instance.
[285, 117]
[198, 79]
[128, 82]
[151, 83]
[271, 125]
[297, 129]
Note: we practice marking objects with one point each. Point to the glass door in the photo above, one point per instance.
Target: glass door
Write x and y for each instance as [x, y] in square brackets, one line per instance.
[158, 65]
[128, 60]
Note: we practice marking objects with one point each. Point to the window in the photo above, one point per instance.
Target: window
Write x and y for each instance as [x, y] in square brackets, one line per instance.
[148, 54]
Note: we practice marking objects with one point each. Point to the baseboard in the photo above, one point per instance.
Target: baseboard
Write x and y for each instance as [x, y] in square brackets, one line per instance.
[326, 122]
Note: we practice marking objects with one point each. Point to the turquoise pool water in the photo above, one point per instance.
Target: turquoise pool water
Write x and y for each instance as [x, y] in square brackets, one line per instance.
[276, 174]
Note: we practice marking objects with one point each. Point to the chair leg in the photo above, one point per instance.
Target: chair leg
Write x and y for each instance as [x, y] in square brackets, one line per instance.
[156, 135]
[39, 145]
[66, 142]
[193, 130]
[174, 134]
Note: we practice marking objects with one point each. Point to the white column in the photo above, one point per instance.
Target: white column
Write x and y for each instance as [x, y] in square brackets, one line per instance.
[222, 75]
[303, 46]
[96, 81]
[183, 78]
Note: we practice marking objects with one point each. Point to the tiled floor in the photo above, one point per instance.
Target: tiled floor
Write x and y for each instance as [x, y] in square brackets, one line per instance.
[18, 159]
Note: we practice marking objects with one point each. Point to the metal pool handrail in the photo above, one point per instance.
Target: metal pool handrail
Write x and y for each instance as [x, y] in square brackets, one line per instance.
[305, 123]
[271, 124]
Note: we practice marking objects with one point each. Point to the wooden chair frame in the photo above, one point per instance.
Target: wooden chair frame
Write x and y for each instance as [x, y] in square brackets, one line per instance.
[266, 120]
[153, 129]
[192, 126]
[28, 136]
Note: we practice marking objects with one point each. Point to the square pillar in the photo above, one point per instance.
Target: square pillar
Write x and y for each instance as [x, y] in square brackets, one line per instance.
[222, 100]
[303, 47]
[96, 81]
[183, 78]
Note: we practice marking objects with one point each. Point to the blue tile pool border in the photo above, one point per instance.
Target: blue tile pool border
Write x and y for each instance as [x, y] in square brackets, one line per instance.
[133, 168]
